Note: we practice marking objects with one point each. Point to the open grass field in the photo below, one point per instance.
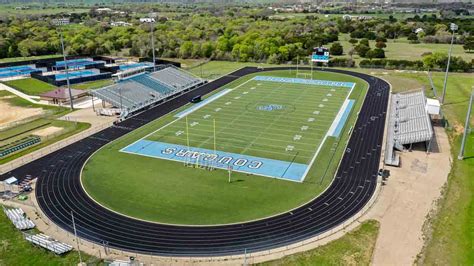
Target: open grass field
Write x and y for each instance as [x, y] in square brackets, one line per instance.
[9, 10]
[354, 248]
[15, 250]
[167, 191]
[16, 59]
[30, 86]
[402, 49]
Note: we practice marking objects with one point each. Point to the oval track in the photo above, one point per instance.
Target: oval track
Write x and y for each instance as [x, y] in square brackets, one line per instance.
[59, 190]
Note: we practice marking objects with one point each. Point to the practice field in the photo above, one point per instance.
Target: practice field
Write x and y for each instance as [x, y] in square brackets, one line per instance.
[267, 126]
[283, 136]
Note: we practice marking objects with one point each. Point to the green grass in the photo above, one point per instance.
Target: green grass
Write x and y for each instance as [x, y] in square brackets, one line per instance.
[166, 191]
[51, 115]
[93, 84]
[15, 250]
[16, 59]
[354, 248]
[401, 49]
[30, 86]
[268, 133]
[26, 128]
[69, 129]
[215, 69]
[450, 231]
[9, 10]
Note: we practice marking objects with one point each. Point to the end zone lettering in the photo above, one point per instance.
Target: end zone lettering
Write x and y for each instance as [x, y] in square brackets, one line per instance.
[224, 160]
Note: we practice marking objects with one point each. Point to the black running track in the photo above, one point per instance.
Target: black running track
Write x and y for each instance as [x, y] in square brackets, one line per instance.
[59, 191]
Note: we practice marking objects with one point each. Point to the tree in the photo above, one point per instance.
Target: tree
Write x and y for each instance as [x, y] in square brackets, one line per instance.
[380, 45]
[186, 49]
[353, 41]
[370, 54]
[365, 42]
[336, 49]
[362, 49]
[469, 44]
[412, 37]
[379, 53]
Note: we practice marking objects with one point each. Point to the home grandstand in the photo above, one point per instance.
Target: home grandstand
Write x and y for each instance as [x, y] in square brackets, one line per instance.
[409, 123]
[140, 90]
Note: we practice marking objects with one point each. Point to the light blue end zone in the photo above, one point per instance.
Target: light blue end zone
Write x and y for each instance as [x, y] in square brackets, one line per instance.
[343, 119]
[241, 163]
[316, 82]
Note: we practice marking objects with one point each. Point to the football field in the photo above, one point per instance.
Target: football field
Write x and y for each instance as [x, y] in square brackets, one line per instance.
[269, 126]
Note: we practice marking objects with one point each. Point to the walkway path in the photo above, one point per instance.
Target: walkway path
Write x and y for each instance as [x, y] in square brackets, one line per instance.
[405, 201]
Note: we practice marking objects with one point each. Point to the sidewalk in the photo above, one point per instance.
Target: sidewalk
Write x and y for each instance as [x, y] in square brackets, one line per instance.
[405, 201]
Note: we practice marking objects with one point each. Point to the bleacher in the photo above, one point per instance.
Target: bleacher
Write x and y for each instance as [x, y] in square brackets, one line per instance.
[48, 243]
[176, 78]
[143, 89]
[409, 123]
[18, 217]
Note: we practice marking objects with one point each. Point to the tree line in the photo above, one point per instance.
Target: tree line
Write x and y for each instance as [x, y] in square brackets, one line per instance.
[235, 34]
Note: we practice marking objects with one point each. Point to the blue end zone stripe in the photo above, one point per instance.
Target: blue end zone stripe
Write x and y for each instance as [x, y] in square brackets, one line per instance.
[201, 104]
[343, 118]
[306, 81]
[240, 163]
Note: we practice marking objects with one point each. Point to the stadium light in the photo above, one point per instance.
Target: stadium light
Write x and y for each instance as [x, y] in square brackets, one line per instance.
[466, 127]
[151, 20]
[453, 28]
[58, 23]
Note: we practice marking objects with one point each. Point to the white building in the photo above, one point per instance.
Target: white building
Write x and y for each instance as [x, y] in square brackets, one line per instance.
[120, 24]
[147, 20]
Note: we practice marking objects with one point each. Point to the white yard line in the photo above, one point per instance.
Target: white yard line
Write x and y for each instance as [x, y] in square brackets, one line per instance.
[322, 142]
[153, 132]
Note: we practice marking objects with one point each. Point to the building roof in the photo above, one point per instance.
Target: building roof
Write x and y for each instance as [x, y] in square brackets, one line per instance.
[62, 93]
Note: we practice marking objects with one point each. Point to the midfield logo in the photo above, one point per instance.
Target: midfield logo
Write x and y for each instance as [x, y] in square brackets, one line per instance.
[270, 107]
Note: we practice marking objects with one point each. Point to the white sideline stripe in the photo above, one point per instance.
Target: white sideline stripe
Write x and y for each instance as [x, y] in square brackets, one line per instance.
[177, 119]
[324, 139]
[338, 117]
[202, 104]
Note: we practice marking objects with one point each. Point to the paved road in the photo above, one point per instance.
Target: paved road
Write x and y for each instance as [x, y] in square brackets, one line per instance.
[59, 190]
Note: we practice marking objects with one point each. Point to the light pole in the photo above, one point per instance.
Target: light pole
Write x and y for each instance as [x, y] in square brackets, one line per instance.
[466, 127]
[58, 23]
[454, 28]
[151, 20]
[153, 44]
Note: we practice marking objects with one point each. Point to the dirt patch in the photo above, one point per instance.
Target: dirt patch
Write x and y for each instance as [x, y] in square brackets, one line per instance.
[47, 131]
[10, 113]
[409, 195]
[458, 128]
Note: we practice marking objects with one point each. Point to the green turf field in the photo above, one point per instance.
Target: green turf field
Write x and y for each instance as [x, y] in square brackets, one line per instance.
[287, 134]
[167, 191]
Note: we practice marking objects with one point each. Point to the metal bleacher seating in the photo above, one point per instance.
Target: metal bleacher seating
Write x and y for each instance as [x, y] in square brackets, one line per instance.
[409, 123]
[138, 91]
[19, 219]
[176, 78]
[49, 243]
